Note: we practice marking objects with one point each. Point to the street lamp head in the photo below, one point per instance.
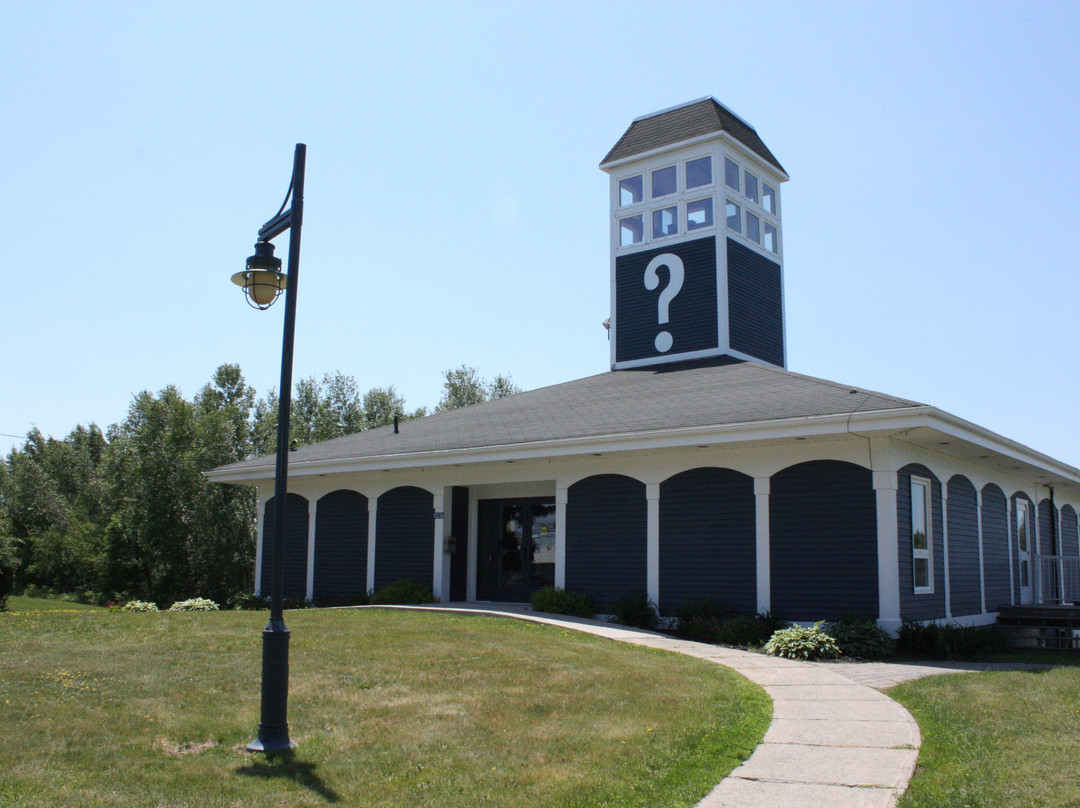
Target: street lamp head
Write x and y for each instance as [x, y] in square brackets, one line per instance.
[263, 279]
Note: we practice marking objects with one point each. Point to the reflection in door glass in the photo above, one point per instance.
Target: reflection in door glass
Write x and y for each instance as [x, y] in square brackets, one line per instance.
[543, 546]
[510, 540]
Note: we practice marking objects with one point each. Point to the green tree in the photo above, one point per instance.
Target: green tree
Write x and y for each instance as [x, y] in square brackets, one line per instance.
[463, 387]
[381, 404]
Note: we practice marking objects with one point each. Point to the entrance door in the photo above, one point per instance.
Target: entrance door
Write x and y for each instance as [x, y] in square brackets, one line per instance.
[516, 548]
[1023, 545]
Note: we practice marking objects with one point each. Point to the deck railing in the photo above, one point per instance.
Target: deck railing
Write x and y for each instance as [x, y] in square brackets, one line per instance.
[1058, 579]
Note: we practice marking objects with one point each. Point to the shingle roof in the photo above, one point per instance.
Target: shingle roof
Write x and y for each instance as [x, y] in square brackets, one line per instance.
[625, 402]
[685, 122]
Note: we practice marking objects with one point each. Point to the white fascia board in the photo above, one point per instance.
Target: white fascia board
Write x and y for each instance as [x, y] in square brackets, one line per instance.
[731, 142]
[881, 422]
[781, 429]
[956, 427]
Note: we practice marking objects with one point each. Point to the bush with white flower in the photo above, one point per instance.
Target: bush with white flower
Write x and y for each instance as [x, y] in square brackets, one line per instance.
[194, 605]
[140, 606]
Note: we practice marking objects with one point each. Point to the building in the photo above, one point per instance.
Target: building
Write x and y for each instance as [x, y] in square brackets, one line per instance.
[698, 467]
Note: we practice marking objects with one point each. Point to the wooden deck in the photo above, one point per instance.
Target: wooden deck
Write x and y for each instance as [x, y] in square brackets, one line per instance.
[1042, 626]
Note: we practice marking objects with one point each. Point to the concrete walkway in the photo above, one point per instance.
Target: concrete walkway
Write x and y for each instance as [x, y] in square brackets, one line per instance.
[835, 740]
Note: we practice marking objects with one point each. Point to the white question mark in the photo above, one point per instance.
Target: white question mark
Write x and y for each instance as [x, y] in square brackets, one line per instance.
[677, 273]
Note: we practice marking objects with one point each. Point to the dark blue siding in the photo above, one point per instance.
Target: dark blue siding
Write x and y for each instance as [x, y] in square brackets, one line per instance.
[965, 588]
[929, 606]
[606, 525]
[755, 304]
[294, 549]
[1070, 539]
[707, 540]
[405, 536]
[692, 313]
[823, 541]
[1046, 528]
[995, 547]
[341, 533]
[459, 529]
[1048, 540]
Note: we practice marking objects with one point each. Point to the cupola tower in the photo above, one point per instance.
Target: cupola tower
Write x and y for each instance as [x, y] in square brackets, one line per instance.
[696, 240]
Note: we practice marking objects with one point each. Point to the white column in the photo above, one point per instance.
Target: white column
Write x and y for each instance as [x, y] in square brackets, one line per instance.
[561, 497]
[312, 514]
[762, 488]
[372, 513]
[259, 529]
[652, 541]
[982, 565]
[945, 548]
[885, 484]
[439, 548]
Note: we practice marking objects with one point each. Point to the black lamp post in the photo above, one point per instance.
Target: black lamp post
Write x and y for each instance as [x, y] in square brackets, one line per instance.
[263, 281]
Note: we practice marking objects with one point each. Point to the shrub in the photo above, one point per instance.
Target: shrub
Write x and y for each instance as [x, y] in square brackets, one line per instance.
[708, 622]
[860, 637]
[558, 601]
[194, 605]
[248, 601]
[140, 606]
[636, 611]
[403, 592]
[802, 642]
[949, 640]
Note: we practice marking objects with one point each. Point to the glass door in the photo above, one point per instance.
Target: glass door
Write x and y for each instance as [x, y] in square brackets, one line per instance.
[517, 549]
[1024, 549]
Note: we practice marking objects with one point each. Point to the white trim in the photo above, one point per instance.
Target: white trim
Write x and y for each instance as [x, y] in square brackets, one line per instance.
[259, 529]
[652, 541]
[562, 496]
[438, 548]
[982, 561]
[762, 542]
[373, 508]
[945, 547]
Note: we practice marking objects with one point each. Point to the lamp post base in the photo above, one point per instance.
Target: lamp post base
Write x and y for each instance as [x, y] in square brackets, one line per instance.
[273, 723]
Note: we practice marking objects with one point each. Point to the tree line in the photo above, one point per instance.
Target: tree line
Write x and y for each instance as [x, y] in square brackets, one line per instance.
[126, 513]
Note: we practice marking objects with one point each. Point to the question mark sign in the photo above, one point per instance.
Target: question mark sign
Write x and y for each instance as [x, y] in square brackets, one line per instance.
[677, 273]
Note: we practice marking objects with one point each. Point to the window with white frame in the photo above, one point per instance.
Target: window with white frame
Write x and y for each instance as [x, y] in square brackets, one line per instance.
[922, 539]
[665, 202]
[756, 214]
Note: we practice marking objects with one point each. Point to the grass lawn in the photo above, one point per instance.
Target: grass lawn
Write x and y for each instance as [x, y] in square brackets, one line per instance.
[389, 708]
[996, 740]
[20, 603]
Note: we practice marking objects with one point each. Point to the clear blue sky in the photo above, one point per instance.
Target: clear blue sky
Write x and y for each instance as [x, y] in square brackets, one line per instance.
[455, 212]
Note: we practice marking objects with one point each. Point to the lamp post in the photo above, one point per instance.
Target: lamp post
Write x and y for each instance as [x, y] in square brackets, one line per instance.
[263, 281]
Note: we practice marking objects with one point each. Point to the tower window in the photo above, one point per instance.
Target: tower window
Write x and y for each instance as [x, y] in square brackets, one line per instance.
[665, 222]
[734, 216]
[751, 187]
[731, 174]
[699, 214]
[631, 230]
[769, 242]
[768, 198]
[753, 227]
[664, 182]
[631, 190]
[699, 172]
